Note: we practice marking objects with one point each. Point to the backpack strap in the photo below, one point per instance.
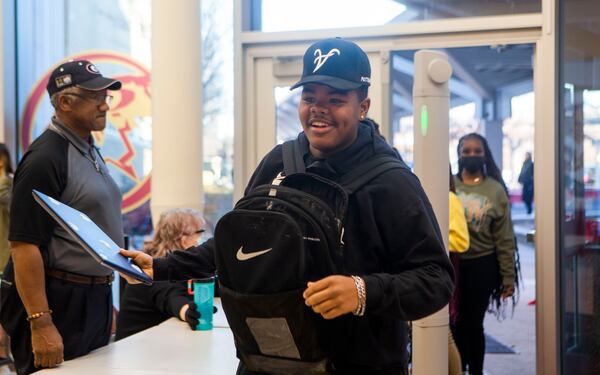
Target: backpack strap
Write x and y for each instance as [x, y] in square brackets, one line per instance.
[365, 172]
[293, 161]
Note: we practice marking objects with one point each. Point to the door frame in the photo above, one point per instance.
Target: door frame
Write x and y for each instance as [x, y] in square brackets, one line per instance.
[254, 53]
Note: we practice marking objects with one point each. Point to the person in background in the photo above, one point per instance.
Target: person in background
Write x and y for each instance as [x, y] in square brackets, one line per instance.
[458, 242]
[6, 176]
[487, 270]
[526, 179]
[144, 306]
[59, 305]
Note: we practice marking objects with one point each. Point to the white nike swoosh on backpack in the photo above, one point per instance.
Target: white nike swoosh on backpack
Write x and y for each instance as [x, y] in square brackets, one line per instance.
[241, 255]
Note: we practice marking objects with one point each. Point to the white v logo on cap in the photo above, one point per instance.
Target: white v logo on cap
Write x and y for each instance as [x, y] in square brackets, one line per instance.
[320, 59]
[242, 256]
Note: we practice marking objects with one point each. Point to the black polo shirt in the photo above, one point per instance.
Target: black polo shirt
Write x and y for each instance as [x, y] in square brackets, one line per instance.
[69, 168]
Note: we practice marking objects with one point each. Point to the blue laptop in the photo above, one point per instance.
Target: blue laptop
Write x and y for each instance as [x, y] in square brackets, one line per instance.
[90, 237]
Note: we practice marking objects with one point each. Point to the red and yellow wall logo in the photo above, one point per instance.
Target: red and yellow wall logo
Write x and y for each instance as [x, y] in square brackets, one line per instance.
[125, 143]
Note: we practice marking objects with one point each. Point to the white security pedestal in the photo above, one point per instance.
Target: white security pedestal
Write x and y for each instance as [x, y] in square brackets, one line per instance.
[431, 101]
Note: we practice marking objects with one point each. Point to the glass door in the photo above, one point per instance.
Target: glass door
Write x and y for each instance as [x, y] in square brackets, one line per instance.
[484, 99]
[491, 93]
[580, 189]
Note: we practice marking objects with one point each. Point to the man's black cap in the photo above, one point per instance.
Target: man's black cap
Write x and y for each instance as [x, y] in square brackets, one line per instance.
[337, 63]
[79, 73]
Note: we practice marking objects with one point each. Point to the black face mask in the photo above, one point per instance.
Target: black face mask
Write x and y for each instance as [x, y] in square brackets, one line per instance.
[472, 164]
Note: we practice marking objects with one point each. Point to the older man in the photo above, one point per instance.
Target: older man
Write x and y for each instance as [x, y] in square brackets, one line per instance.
[60, 304]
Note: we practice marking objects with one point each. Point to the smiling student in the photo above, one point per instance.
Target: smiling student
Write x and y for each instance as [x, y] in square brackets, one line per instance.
[396, 268]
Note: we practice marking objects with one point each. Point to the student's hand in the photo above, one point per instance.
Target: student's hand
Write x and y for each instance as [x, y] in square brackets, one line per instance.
[332, 296]
[46, 343]
[507, 291]
[143, 260]
[189, 313]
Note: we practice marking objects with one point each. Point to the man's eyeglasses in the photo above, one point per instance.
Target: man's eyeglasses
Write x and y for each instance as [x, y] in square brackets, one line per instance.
[98, 99]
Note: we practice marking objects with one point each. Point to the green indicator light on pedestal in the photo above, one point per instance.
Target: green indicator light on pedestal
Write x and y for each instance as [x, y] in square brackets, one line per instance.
[424, 120]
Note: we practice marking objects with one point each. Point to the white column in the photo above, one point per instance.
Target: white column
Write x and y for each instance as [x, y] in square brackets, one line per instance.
[548, 163]
[431, 101]
[176, 106]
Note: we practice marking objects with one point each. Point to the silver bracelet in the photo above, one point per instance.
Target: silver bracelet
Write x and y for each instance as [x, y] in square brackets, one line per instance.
[359, 283]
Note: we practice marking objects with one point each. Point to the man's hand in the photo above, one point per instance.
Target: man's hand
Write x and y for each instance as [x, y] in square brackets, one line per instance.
[332, 296]
[46, 342]
[143, 260]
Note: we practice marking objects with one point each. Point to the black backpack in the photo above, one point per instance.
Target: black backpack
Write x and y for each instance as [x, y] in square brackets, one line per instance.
[278, 237]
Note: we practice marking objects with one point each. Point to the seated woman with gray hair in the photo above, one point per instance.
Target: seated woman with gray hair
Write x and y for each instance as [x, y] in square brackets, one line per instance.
[144, 306]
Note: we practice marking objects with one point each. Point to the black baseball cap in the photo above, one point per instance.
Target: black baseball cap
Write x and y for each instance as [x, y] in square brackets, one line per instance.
[79, 73]
[337, 63]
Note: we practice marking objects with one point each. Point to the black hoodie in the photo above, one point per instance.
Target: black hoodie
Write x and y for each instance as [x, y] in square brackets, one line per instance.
[392, 240]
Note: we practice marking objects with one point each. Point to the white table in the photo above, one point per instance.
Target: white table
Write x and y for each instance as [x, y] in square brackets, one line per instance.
[169, 348]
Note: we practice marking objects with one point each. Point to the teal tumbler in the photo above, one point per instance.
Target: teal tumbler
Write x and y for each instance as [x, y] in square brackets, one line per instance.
[204, 294]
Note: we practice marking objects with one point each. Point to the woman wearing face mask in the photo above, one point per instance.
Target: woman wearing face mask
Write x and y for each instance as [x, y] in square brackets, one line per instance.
[144, 306]
[487, 269]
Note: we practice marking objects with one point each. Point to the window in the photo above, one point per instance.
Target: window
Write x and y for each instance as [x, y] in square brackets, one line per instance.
[289, 15]
[115, 35]
[580, 188]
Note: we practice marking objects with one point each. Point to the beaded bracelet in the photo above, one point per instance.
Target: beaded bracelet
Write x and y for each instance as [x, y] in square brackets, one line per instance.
[359, 283]
[38, 315]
